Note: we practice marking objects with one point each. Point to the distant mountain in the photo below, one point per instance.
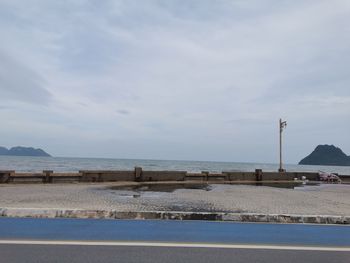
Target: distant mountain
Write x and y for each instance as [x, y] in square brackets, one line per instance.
[23, 151]
[3, 150]
[327, 155]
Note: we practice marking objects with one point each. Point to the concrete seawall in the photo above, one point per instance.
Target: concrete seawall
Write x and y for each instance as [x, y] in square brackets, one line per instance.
[139, 175]
[174, 215]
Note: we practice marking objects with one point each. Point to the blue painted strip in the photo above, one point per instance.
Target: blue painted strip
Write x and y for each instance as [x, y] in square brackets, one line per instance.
[174, 231]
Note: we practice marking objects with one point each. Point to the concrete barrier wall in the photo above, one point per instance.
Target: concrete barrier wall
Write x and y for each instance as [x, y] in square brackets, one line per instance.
[277, 176]
[42, 177]
[217, 177]
[27, 178]
[63, 178]
[163, 176]
[142, 176]
[174, 215]
[5, 176]
[270, 176]
[345, 178]
[206, 176]
[240, 176]
[196, 177]
[107, 176]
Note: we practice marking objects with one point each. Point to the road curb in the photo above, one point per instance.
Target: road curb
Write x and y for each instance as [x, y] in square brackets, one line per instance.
[173, 215]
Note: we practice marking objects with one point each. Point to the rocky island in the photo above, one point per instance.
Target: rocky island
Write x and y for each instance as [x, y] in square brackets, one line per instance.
[327, 155]
[23, 151]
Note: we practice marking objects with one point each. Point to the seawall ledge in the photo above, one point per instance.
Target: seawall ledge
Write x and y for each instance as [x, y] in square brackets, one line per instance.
[174, 215]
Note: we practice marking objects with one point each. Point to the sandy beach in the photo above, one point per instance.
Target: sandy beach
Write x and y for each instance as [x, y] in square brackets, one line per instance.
[310, 200]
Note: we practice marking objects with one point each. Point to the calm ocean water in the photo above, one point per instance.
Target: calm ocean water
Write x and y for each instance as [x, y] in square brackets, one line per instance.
[60, 164]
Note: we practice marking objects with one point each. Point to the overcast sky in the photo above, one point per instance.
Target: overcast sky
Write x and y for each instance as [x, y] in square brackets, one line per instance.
[175, 79]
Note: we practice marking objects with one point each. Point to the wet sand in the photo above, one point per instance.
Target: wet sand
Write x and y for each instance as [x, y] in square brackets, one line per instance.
[310, 200]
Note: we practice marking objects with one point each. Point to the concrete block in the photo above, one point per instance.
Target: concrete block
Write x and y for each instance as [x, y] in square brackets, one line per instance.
[107, 176]
[275, 176]
[240, 176]
[47, 176]
[27, 178]
[236, 217]
[258, 175]
[33, 213]
[65, 178]
[125, 215]
[138, 174]
[5, 176]
[217, 177]
[195, 177]
[163, 176]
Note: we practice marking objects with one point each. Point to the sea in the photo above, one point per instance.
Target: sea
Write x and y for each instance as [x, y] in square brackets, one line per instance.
[65, 164]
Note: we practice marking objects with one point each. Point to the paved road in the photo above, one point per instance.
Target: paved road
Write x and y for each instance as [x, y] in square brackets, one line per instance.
[85, 240]
[107, 254]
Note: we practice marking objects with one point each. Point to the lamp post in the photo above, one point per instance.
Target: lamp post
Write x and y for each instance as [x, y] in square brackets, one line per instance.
[283, 124]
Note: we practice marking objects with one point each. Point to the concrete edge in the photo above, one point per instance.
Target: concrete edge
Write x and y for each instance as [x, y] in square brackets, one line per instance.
[173, 215]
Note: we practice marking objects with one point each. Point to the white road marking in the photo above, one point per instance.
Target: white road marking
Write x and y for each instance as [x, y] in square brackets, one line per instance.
[166, 244]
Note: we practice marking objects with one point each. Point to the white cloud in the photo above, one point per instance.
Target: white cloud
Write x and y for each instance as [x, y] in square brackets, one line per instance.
[19, 83]
[213, 77]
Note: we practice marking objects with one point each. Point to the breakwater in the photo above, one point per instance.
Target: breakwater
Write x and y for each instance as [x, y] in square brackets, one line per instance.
[140, 175]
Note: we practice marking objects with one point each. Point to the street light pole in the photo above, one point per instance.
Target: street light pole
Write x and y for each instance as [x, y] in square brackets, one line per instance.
[283, 124]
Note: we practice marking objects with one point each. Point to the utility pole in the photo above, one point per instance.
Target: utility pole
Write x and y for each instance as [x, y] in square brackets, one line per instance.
[283, 124]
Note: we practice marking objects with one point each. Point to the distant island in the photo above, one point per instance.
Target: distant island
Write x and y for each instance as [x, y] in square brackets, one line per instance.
[23, 151]
[327, 155]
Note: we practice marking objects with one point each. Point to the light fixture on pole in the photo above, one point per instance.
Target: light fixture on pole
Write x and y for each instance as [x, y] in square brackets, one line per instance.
[283, 124]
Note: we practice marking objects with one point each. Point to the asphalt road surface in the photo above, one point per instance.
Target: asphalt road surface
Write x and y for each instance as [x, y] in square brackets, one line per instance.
[85, 240]
[87, 254]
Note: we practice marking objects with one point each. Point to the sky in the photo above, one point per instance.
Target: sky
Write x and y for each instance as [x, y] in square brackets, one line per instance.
[175, 79]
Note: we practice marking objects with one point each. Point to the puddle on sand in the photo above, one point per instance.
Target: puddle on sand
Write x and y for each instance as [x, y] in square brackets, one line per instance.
[169, 188]
[291, 185]
[161, 187]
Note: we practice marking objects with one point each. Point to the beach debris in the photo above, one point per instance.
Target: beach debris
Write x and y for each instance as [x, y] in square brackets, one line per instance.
[329, 177]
